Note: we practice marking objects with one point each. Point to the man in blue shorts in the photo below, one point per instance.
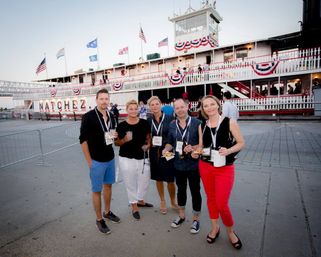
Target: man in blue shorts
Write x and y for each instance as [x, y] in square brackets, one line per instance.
[97, 134]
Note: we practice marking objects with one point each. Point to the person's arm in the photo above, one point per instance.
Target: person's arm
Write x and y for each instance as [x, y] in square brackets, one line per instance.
[169, 145]
[121, 140]
[85, 149]
[83, 138]
[240, 143]
[146, 146]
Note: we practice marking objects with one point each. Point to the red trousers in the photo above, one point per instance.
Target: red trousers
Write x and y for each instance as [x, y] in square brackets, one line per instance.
[218, 183]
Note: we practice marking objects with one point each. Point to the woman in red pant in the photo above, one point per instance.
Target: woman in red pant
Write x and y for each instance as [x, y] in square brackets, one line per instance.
[222, 139]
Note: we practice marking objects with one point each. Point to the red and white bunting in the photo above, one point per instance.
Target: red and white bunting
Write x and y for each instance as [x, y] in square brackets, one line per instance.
[53, 92]
[176, 79]
[117, 86]
[76, 91]
[265, 68]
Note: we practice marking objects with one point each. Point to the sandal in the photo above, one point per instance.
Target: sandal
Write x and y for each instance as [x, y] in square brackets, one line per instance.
[238, 244]
[162, 208]
[211, 240]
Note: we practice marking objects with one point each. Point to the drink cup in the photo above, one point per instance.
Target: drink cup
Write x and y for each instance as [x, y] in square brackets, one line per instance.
[129, 135]
[112, 132]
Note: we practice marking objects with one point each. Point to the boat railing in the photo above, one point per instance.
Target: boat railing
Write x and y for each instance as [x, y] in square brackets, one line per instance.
[295, 62]
[299, 102]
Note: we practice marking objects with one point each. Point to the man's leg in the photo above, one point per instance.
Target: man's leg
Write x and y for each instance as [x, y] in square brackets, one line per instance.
[96, 198]
[107, 196]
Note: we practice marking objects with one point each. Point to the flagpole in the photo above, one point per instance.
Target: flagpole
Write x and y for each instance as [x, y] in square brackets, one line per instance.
[141, 49]
[167, 47]
[98, 57]
[65, 61]
[46, 65]
[141, 42]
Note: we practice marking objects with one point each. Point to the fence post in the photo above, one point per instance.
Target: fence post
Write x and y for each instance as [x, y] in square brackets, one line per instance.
[42, 161]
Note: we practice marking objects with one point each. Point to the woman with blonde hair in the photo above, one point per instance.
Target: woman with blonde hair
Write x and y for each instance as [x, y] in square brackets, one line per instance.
[134, 142]
[162, 170]
[222, 140]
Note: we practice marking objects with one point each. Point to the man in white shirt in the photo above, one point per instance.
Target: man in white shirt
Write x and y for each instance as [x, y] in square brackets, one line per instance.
[229, 109]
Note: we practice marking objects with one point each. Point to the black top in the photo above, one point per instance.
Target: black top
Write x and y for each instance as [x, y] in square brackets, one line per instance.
[91, 131]
[133, 149]
[224, 138]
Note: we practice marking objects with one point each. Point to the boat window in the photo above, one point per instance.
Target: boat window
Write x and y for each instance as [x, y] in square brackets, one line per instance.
[191, 25]
[228, 56]
[242, 53]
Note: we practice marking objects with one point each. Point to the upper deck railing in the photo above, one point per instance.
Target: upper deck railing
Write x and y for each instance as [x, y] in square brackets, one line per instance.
[286, 63]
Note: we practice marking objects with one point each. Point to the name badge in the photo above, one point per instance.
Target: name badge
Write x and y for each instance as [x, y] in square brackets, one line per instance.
[217, 159]
[157, 141]
[179, 147]
[109, 138]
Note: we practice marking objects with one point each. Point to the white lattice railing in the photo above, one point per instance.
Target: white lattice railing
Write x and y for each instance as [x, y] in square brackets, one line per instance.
[271, 103]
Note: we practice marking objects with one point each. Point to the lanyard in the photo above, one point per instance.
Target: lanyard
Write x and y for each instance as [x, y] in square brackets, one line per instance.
[208, 124]
[185, 130]
[159, 126]
[108, 125]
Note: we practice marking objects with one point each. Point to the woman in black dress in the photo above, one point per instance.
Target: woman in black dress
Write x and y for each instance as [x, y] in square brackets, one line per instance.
[161, 168]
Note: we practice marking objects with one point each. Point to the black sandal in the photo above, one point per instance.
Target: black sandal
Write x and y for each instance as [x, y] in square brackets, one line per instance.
[238, 244]
[211, 240]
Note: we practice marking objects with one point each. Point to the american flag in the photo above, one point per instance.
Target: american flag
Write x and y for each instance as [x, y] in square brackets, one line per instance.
[42, 66]
[123, 51]
[164, 42]
[141, 35]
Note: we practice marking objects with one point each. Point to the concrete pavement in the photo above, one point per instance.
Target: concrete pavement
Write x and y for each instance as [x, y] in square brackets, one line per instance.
[276, 201]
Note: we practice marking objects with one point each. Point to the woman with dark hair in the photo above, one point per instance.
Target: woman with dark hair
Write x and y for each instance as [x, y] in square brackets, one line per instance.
[222, 139]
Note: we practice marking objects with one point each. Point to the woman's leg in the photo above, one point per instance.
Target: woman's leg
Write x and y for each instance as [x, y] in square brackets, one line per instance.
[143, 178]
[207, 172]
[128, 169]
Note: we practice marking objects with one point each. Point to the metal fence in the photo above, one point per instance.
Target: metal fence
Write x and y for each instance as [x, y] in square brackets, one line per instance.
[26, 145]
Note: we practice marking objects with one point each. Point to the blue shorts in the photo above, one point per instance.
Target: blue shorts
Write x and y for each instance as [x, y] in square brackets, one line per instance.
[102, 173]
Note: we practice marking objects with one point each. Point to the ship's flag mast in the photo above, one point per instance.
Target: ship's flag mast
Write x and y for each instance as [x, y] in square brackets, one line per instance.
[142, 38]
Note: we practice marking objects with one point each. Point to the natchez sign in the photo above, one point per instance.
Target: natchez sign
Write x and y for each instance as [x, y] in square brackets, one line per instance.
[64, 105]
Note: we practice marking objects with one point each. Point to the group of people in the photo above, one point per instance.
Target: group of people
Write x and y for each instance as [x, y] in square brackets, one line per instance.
[168, 150]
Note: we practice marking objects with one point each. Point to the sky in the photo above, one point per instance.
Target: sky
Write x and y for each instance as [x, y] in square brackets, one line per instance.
[33, 29]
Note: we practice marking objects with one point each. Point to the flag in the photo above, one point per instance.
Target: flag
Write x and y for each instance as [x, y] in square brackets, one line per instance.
[42, 66]
[92, 44]
[93, 58]
[60, 53]
[123, 51]
[141, 35]
[164, 42]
